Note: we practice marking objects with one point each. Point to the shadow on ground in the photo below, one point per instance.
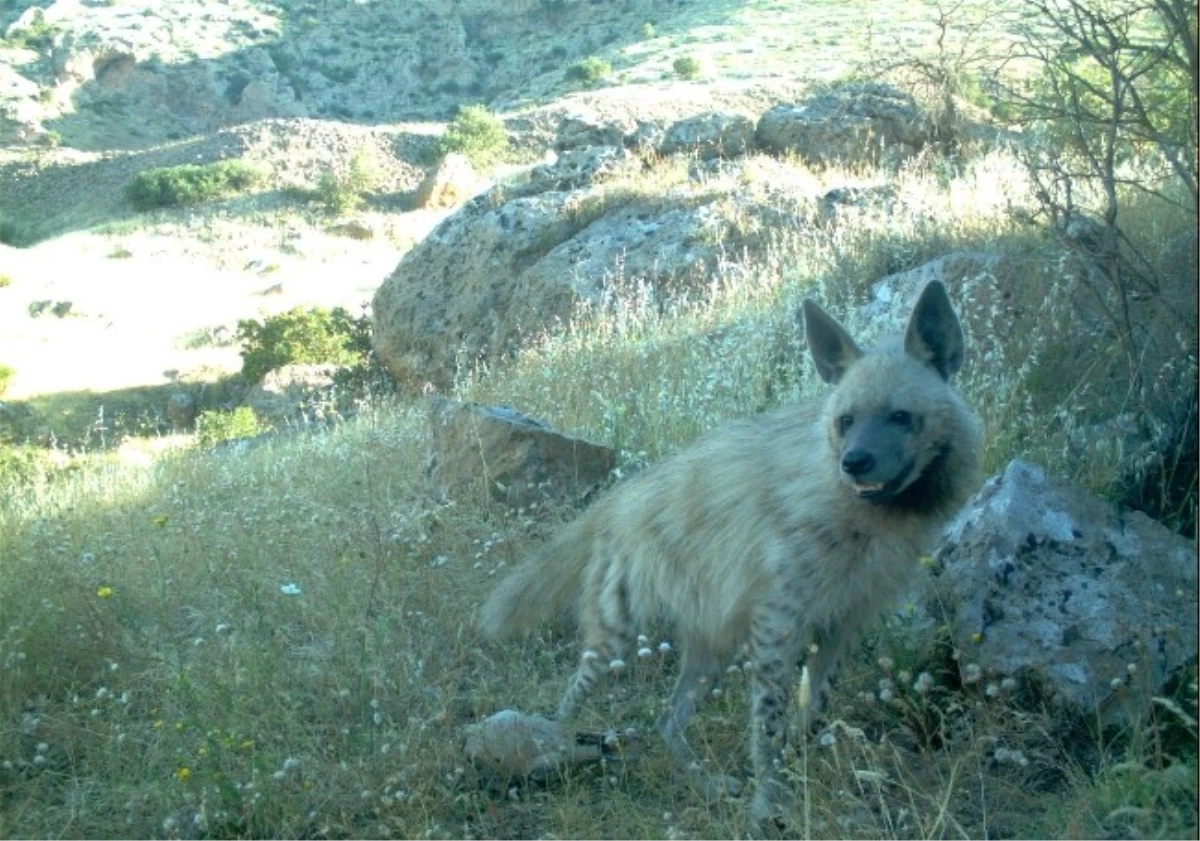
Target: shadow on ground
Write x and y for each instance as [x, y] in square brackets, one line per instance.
[92, 420]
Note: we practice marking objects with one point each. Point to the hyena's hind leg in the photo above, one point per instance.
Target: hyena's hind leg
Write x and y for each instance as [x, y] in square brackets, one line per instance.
[697, 672]
[606, 630]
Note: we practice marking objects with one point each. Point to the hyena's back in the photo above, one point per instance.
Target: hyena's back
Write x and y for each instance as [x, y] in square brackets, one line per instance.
[702, 539]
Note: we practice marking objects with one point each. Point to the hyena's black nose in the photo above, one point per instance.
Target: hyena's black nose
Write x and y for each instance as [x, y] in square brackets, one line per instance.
[857, 462]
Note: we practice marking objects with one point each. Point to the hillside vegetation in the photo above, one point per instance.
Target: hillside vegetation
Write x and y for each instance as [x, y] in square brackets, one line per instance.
[211, 632]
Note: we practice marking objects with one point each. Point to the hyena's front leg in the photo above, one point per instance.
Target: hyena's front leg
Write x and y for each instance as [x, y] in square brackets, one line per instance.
[831, 644]
[697, 669]
[774, 648]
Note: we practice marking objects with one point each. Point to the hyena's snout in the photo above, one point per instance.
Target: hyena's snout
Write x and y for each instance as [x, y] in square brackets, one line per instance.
[876, 461]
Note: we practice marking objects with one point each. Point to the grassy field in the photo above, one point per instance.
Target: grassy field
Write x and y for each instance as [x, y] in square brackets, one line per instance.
[276, 638]
[278, 641]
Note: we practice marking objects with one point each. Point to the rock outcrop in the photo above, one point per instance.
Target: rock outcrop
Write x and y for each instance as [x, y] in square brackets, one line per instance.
[1043, 579]
[512, 458]
[852, 125]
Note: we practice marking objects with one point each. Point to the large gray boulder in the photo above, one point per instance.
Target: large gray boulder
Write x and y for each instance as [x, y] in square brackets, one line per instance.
[295, 392]
[852, 125]
[503, 269]
[712, 135]
[1041, 578]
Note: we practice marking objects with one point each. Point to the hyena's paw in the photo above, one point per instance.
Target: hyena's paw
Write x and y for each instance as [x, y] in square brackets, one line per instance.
[715, 786]
[772, 803]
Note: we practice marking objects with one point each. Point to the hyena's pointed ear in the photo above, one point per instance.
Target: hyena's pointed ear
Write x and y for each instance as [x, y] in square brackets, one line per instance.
[934, 335]
[831, 347]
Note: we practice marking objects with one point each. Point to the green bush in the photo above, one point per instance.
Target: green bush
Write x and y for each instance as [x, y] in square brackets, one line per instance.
[475, 132]
[336, 193]
[213, 427]
[308, 335]
[39, 35]
[589, 71]
[686, 67]
[14, 233]
[188, 184]
[342, 192]
[6, 374]
[22, 464]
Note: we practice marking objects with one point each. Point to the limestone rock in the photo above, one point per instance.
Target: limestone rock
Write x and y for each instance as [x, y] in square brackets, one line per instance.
[1042, 577]
[491, 276]
[853, 125]
[713, 135]
[449, 184]
[181, 410]
[294, 392]
[581, 126]
[521, 461]
[580, 168]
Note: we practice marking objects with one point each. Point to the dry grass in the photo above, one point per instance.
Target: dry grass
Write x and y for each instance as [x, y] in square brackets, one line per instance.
[279, 641]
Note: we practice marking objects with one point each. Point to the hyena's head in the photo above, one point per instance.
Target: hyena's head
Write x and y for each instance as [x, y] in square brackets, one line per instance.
[892, 416]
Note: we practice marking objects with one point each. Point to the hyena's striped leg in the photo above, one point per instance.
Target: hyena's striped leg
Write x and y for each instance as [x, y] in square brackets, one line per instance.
[831, 643]
[695, 672]
[697, 669]
[606, 625]
[774, 648]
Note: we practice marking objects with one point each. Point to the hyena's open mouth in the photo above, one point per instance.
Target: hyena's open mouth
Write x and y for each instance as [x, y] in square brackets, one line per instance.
[881, 491]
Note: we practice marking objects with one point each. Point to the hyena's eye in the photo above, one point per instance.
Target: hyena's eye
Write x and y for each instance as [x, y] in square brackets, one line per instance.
[901, 418]
[844, 423]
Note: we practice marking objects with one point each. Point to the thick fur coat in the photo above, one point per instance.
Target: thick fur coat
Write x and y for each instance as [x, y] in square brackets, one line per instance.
[789, 530]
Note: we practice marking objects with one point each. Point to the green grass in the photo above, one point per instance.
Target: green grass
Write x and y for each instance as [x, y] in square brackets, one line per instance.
[279, 641]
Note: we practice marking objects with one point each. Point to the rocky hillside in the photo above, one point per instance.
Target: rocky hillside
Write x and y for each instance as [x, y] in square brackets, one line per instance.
[134, 73]
[111, 75]
[93, 93]
[666, 150]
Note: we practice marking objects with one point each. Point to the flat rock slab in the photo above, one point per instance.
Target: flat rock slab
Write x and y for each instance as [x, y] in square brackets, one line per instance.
[520, 461]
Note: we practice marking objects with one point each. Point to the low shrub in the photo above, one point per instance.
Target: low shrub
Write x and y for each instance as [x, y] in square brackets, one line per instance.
[38, 35]
[189, 184]
[23, 465]
[340, 192]
[213, 427]
[308, 335]
[589, 71]
[475, 132]
[686, 67]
